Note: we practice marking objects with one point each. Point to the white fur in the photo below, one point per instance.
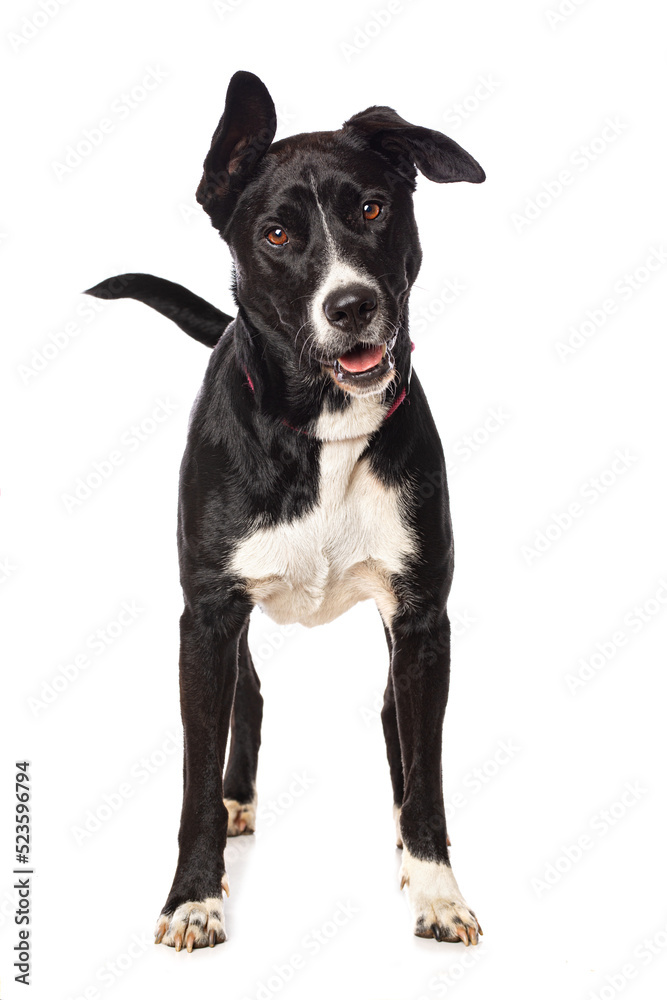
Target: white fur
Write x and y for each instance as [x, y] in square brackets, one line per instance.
[360, 419]
[435, 898]
[346, 548]
[192, 923]
[339, 274]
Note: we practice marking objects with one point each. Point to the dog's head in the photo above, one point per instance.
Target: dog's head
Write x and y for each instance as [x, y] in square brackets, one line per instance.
[322, 230]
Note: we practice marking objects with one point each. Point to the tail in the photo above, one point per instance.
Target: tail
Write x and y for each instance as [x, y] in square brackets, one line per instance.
[194, 315]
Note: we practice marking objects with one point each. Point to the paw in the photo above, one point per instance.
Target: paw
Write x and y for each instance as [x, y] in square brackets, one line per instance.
[447, 920]
[439, 910]
[193, 924]
[242, 817]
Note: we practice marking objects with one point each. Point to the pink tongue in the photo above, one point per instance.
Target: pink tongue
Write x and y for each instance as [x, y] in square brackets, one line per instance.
[361, 359]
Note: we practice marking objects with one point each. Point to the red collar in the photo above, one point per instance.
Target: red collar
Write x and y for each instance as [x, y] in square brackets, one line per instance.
[397, 402]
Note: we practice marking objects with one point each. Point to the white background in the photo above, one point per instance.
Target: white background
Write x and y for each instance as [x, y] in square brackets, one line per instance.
[527, 620]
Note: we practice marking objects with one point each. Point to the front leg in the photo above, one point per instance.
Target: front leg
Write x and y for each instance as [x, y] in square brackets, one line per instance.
[420, 675]
[192, 915]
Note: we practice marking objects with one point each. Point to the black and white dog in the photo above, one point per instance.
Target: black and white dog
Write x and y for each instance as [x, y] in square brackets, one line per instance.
[302, 487]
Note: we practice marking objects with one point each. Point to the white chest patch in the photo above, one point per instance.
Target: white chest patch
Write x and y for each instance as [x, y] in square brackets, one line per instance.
[346, 548]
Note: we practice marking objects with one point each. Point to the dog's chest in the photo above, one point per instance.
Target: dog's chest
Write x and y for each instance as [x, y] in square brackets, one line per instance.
[345, 549]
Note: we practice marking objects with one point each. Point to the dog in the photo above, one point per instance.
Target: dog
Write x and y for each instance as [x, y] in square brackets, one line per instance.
[313, 475]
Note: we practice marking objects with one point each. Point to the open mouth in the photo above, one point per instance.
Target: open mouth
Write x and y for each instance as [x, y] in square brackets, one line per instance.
[365, 363]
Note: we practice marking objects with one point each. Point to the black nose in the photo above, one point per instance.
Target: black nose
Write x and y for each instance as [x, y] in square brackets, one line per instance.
[350, 308]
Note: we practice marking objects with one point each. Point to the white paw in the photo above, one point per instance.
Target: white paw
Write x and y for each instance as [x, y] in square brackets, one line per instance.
[193, 924]
[242, 816]
[438, 908]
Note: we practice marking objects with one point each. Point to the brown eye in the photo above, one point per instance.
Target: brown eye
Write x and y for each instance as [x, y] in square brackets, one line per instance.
[371, 210]
[278, 237]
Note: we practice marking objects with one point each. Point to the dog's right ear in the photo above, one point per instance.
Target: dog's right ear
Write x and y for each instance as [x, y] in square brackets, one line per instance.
[243, 135]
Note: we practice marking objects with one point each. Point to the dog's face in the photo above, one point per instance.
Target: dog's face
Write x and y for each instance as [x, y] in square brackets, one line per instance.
[322, 230]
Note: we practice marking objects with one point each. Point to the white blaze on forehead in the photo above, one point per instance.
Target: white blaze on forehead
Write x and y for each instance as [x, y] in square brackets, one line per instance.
[331, 245]
[338, 274]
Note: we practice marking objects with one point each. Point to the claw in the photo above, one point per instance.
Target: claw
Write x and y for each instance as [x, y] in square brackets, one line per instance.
[461, 932]
[404, 881]
[159, 934]
[472, 933]
[225, 884]
[178, 941]
[211, 938]
[437, 932]
[449, 843]
[190, 940]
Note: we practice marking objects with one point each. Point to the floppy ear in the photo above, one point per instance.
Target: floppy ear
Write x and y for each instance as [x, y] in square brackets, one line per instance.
[243, 135]
[437, 156]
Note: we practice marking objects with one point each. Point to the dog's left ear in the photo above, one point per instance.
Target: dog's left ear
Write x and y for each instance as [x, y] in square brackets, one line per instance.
[243, 135]
[408, 146]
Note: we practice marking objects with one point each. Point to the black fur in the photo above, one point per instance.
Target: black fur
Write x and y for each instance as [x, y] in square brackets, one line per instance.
[252, 456]
[194, 315]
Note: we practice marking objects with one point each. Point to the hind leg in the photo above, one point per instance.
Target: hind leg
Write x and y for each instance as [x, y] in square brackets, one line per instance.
[240, 795]
[390, 727]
